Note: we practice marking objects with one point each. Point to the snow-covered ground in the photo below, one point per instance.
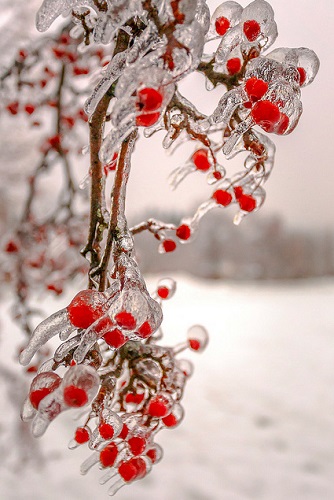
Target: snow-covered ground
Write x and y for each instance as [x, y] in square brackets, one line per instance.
[259, 408]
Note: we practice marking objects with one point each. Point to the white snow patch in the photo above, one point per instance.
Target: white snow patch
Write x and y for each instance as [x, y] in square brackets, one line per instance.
[259, 409]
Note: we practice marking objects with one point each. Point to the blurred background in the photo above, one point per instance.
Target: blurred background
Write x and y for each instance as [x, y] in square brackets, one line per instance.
[260, 406]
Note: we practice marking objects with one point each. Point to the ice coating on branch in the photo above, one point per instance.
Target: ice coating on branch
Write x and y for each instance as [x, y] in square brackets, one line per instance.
[112, 73]
[305, 60]
[117, 15]
[56, 323]
[51, 9]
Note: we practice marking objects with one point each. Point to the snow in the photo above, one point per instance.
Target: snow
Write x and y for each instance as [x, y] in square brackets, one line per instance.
[259, 408]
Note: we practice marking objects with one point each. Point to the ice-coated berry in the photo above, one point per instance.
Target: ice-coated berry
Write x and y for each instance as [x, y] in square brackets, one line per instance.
[125, 320]
[108, 455]
[81, 435]
[169, 246]
[255, 88]
[183, 232]
[252, 29]
[200, 160]
[86, 308]
[149, 99]
[222, 197]
[135, 468]
[41, 386]
[137, 445]
[75, 396]
[233, 65]
[106, 431]
[266, 114]
[222, 24]
[247, 203]
[147, 120]
[159, 406]
[115, 338]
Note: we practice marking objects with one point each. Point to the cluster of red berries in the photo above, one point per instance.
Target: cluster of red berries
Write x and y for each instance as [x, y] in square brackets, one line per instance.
[131, 391]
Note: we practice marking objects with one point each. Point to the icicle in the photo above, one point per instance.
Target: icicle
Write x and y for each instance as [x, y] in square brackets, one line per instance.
[44, 332]
[112, 73]
[51, 9]
[114, 138]
[64, 349]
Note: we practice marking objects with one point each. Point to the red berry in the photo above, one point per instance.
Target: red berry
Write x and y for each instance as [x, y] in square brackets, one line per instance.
[217, 175]
[23, 54]
[282, 125]
[247, 203]
[137, 445]
[32, 369]
[71, 57]
[81, 435]
[238, 191]
[163, 292]
[125, 320]
[200, 160]
[124, 432]
[115, 338]
[152, 455]
[170, 420]
[149, 99]
[86, 308]
[42, 385]
[80, 70]
[58, 53]
[56, 288]
[107, 431]
[29, 109]
[222, 24]
[37, 396]
[266, 114]
[252, 29]
[194, 344]
[54, 141]
[68, 121]
[64, 39]
[255, 88]
[140, 465]
[158, 407]
[11, 247]
[146, 120]
[233, 65]
[302, 75]
[108, 455]
[145, 330]
[13, 107]
[135, 468]
[75, 396]
[169, 246]
[222, 197]
[183, 232]
[134, 398]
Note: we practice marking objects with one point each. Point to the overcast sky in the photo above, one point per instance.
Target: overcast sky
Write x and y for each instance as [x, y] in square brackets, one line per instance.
[302, 183]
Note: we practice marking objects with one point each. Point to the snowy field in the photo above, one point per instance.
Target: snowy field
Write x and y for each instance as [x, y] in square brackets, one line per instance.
[259, 409]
